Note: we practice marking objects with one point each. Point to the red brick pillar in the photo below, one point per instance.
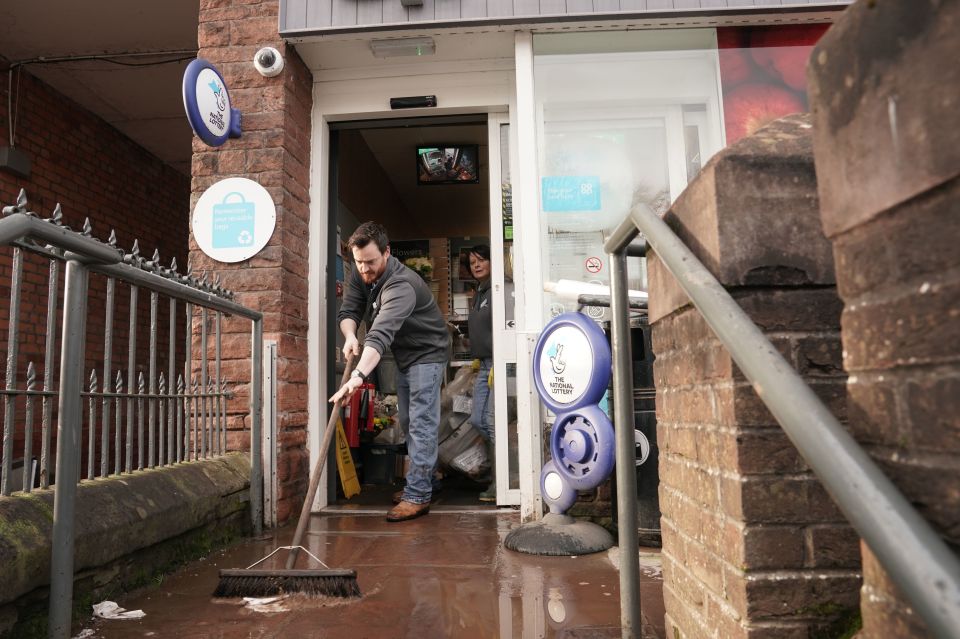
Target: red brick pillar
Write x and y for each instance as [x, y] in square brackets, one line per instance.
[883, 89]
[752, 544]
[274, 151]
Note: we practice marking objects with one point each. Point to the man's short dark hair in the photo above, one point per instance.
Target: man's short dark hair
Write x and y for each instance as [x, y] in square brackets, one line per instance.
[369, 232]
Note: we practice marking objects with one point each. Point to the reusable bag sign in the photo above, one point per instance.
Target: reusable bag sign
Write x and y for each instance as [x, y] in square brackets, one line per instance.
[234, 219]
[233, 222]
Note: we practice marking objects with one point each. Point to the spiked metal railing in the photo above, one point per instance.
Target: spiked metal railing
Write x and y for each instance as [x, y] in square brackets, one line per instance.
[155, 420]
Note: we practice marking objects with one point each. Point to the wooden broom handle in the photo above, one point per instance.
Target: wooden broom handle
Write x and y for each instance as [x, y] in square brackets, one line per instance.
[318, 470]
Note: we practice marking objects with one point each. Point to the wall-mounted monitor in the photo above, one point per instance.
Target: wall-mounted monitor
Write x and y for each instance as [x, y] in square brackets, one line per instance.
[448, 164]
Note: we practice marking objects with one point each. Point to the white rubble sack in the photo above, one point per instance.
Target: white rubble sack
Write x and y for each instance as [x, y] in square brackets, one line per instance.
[110, 610]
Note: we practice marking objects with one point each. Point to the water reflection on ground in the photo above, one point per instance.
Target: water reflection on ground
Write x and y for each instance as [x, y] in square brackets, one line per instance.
[444, 575]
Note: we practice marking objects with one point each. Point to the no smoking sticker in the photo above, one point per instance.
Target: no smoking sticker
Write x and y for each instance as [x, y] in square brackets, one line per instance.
[593, 264]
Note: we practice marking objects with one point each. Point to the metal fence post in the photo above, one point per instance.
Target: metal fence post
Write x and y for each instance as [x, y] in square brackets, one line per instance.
[256, 434]
[68, 448]
[630, 619]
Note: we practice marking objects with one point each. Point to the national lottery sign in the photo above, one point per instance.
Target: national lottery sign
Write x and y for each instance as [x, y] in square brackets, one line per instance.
[207, 103]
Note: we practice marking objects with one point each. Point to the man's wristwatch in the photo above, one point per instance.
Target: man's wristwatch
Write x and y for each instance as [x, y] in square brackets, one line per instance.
[357, 373]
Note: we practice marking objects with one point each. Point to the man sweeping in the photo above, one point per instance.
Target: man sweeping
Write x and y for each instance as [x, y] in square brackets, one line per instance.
[404, 317]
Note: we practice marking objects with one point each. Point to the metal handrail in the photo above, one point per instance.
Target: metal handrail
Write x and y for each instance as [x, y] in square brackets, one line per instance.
[916, 557]
[84, 254]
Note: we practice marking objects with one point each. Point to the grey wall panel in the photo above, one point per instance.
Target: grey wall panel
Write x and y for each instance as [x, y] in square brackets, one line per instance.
[394, 12]
[320, 15]
[553, 7]
[423, 13]
[450, 9]
[499, 8]
[344, 13]
[580, 6]
[370, 11]
[526, 7]
[474, 9]
[293, 14]
[606, 5]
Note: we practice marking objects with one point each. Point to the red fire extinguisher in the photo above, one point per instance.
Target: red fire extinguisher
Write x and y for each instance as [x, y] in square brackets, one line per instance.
[359, 414]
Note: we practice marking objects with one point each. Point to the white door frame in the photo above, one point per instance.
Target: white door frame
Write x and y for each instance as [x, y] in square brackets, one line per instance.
[491, 90]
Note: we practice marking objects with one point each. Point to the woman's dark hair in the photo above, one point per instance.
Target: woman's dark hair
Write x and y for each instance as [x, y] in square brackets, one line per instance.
[369, 232]
[482, 250]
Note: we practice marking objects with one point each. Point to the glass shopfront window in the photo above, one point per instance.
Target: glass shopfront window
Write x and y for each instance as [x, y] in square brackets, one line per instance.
[628, 118]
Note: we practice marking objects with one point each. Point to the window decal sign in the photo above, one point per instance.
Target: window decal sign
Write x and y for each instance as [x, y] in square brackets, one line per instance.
[234, 219]
[207, 103]
[565, 193]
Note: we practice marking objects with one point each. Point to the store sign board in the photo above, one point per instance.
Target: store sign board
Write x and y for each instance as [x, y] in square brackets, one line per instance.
[566, 365]
[207, 103]
[567, 193]
[234, 219]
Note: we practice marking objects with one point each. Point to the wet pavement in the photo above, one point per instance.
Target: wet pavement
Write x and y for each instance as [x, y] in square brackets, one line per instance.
[443, 575]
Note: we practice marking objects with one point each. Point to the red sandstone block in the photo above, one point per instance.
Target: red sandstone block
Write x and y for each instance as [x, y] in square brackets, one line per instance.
[873, 408]
[884, 117]
[820, 356]
[780, 499]
[832, 546]
[817, 595]
[772, 547]
[912, 328]
[763, 451]
[932, 405]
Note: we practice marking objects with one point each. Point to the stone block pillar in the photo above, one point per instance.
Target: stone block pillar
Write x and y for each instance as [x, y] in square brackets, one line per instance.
[275, 152]
[752, 544]
[884, 97]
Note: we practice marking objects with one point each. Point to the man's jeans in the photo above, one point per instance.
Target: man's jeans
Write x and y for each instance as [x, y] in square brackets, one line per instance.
[418, 406]
[482, 414]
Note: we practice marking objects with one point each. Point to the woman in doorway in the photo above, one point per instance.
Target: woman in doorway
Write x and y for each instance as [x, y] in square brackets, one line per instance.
[480, 329]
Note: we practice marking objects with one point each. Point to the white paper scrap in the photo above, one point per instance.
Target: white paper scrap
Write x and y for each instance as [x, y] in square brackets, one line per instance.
[110, 610]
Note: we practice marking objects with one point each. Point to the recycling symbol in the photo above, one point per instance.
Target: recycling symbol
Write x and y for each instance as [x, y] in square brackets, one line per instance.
[244, 238]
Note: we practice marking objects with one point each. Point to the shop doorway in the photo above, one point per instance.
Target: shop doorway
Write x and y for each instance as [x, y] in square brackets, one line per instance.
[440, 186]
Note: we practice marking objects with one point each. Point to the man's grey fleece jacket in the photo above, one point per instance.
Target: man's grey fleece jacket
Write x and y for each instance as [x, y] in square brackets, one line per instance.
[403, 316]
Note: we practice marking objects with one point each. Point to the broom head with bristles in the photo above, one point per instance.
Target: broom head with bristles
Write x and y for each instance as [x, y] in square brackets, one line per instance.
[263, 583]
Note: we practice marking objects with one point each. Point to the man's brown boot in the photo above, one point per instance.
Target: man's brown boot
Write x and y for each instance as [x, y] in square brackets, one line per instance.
[407, 510]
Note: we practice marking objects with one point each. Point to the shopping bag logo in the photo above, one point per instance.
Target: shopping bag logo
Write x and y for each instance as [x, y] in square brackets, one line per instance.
[233, 222]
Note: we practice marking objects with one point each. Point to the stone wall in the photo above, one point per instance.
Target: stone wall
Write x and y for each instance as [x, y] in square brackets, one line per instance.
[883, 89]
[275, 152]
[127, 529]
[752, 544]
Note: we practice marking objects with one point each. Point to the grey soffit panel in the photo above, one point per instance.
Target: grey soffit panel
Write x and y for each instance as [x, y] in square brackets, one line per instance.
[299, 18]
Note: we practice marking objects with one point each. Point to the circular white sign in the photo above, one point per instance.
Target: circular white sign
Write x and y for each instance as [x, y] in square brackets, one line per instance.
[213, 102]
[234, 219]
[566, 364]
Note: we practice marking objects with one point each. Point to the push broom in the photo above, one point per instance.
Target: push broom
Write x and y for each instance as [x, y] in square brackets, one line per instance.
[253, 582]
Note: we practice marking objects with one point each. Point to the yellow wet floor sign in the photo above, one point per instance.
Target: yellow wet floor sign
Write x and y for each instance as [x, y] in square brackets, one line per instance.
[345, 468]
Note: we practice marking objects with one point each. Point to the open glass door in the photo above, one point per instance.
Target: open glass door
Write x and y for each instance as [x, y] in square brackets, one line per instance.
[504, 333]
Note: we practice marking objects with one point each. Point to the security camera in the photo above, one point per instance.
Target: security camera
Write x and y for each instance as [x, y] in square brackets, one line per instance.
[268, 62]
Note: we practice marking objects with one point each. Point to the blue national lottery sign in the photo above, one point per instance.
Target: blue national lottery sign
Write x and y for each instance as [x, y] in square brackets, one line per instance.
[207, 103]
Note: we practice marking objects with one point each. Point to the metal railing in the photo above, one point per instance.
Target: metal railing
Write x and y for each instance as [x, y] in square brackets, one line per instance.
[143, 422]
[916, 557]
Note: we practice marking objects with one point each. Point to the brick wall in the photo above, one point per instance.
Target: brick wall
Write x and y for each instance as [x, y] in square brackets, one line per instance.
[92, 170]
[752, 544]
[888, 153]
[274, 151]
